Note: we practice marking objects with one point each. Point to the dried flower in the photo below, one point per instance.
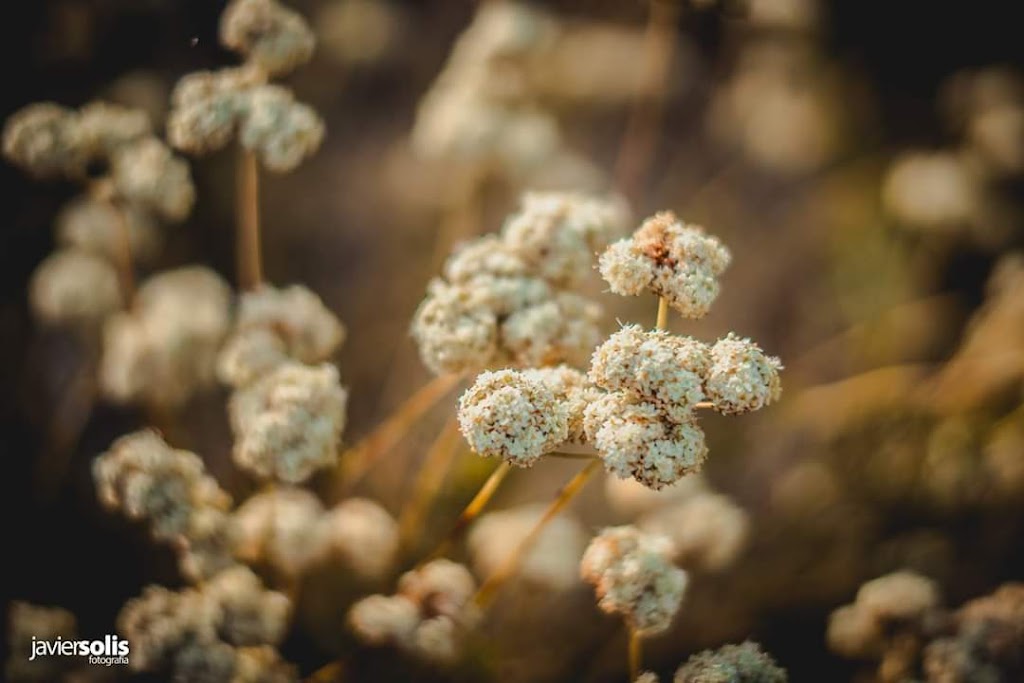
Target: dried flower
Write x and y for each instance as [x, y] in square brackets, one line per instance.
[657, 367]
[161, 622]
[267, 33]
[744, 663]
[930, 191]
[262, 664]
[274, 325]
[631, 498]
[207, 107]
[507, 414]
[635, 440]
[632, 575]
[45, 140]
[288, 424]
[147, 173]
[678, 262]
[105, 127]
[249, 613]
[164, 349]
[452, 333]
[26, 624]
[281, 131]
[564, 329]
[858, 629]
[552, 563]
[147, 479]
[557, 234]
[74, 287]
[93, 225]
[429, 615]
[363, 535]
[571, 388]
[742, 378]
[279, 527]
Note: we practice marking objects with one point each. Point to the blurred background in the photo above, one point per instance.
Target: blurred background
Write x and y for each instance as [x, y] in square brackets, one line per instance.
[863, 161]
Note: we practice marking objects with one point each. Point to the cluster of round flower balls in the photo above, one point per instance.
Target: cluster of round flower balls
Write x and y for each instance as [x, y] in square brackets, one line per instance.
[287, 530]
[226, 630]
[506, 299]
[633, 576]
[142, 180]
[482, 107]
[162, 350]
[148, 480]
[211, 108]
[642, 423]
[670, 259]
[644, 426]
[288, 408]
[428, 616]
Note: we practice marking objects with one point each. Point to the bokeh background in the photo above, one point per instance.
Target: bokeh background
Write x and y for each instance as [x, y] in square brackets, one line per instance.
[878, 457]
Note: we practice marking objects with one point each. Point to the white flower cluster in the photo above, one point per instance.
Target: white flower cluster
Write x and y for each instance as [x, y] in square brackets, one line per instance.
[670, 259]
[79, 284]
[288, 408]
[633, 576]
[148, 480]
[505, 299]
[224, 631]
[28, 623]
[482, 108]
[274, 325]
[164, 349]
[288, 423]
[858, 629]
[428, 617]
[510, 415]
[209, 109]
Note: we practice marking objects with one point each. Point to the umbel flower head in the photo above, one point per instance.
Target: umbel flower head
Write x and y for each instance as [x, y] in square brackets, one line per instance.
[669, 259]
[503, 298]
[742, 378]
[209, 109]
[267, 34]
[428, 617]
[163, 350]
[288, 424]
[633, 576]
[274, 325]
[512, 416]
[72, 286]
[217, 632]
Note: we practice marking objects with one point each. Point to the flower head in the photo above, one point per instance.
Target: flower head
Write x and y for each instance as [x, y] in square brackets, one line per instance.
[267, 33]
[509, 415]
[742, 378]
[632, 575]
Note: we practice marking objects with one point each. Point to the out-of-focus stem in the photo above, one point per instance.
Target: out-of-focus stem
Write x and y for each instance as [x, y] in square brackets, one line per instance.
[473, 510]
[357, 460]
[428, 481]
[662, 322]
[635, 653]
[644, 123]
[125, 264]
[247, 238]
[495, 581]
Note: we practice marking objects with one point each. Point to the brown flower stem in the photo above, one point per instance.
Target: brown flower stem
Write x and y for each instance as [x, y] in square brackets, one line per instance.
[495, 581]
[356, 461]
[247, 238]
[125, 263]
[704, 405]
[662, 322]
[471, 511]
[635, 653]
[428, 481]
[644, 125]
